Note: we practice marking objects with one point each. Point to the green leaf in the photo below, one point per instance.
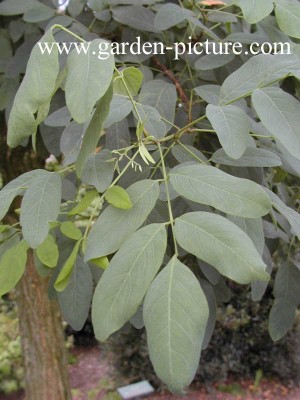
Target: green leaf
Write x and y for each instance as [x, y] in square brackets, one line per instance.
[88, 78]
[255, 10]
[280, 113]
[120, 107]
[65, 273]
[40, 205]
[117, 136]
[8, 240]
[71, 140]
[209, 93]
[98, 5]
[151, 120]
[257, 72]
[16, 188]
[98, 170]
[12, 266]
[4, 228]
[259, 288]
[34, 93]
[115, 225]
[124, 283]
[212, 61]
[291, 215]
[102, 262]
[84, 203]
[75, 7]
[60, 117]
[287, 298]
[136, 17]
[232, 127]
[253, 227]
[8, 88]
[118, 197]
[16, 7]
[162, 96]
[288, 17]
[70, 230]
[188, 154]
[252, 157]
[222, 244]
[93, 132]
[38, 13]
[75, 299]
[175, 315]
[208, 185]
[133, 2]
[170, 15]
[47, 252]
[133, 78]
[212, 307]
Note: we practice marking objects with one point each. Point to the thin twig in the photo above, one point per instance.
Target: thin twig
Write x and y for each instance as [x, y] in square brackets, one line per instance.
[181, 92]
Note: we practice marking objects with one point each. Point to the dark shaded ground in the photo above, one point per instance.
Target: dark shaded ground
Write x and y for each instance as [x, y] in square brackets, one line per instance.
[92, 379]
[245, 391]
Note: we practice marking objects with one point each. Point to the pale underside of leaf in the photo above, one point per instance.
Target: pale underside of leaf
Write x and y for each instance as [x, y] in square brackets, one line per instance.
[175, 314]
[124, 283]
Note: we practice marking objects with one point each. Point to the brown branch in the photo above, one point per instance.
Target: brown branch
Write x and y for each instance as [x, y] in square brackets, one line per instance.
[180, 91]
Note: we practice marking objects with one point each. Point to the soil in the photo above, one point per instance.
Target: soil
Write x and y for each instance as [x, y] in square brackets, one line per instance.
[92, 379]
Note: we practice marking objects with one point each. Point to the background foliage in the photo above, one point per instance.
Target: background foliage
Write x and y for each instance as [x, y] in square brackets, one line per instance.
[11, 361]
[172, 176]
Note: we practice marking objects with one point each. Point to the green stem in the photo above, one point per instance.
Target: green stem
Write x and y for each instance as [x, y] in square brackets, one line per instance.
[168, 197]
[103, 194]
[68, 31]
[159, 163]
[259, 87]
[129, 94]
[190, 152]
[181, 131]
[92, 24]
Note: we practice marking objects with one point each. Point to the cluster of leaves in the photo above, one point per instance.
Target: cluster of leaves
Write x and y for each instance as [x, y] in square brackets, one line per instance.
[173, 158]
[11, 360]
[240, 346]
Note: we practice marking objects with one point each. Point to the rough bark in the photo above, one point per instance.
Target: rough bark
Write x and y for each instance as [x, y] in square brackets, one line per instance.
[46, 376]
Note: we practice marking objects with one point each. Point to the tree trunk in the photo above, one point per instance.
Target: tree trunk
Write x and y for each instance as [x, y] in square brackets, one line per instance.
[46, 371]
